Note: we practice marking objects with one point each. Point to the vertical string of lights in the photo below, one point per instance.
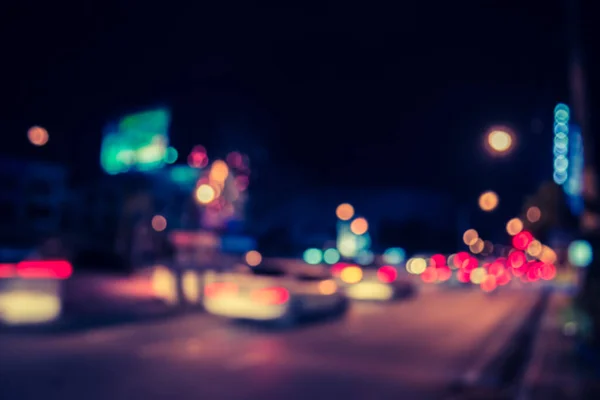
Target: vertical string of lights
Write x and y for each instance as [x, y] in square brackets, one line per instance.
[561, 143]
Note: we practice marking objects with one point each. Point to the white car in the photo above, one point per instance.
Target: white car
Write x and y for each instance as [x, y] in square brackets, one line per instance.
[273, 294]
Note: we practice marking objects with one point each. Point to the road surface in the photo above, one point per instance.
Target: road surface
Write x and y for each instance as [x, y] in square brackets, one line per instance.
[412, 349]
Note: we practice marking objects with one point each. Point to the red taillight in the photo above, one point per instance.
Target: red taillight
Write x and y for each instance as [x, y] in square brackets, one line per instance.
[220, 289]
[387, 274]
[44, 269]
[271, 296]
[7, 270]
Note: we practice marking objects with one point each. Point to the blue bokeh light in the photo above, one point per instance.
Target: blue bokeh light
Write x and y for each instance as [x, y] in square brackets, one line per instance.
[580, 253]
[313, 256]
[394, 255]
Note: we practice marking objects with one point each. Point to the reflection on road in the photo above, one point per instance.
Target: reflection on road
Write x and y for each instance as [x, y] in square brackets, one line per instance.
[410, 349]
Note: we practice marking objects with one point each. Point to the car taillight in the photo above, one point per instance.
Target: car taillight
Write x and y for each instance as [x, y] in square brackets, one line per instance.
[219, 289]
[271, 296]
[8, 270]
[58, 269]
[387, 274]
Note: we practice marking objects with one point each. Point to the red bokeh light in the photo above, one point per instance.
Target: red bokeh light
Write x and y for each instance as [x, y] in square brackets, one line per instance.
[489, 283]
[463, 276]
[429, 275]
[444, 273]
[496, 268]
[548, 272]
[387, 274]
[517, 259]
[460, 259]
[522, 240]
[438, 260]
[470, 264]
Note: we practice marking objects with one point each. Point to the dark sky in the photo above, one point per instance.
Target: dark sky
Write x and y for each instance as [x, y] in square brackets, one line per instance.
[346, 93]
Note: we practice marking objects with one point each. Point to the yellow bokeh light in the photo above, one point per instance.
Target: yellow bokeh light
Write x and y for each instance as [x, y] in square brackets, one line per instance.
[205, 194]
[37, 135]
[164, 284]
[253, 258]
[327, 287]
[547, 255]
[535, 248]
[488, 201]
[359, 226]
[477, 246]
[534, 214]
[344, 211]
[190, 285]
[478, 275]
[352, 274]
[514, 226]
[219, 171]
[470, 237]
[159, 223]
[499, 141]
[418, 265]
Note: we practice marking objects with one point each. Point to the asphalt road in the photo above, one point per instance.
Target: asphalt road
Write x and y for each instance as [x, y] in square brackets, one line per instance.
[412, 349]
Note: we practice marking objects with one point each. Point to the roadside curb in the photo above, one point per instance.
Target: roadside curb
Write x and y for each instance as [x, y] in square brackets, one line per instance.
[500, 373]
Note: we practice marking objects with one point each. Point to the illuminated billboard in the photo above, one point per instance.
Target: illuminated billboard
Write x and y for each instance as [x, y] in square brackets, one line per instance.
[138, 142]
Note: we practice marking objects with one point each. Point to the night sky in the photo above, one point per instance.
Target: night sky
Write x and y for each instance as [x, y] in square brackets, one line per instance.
[342, 93]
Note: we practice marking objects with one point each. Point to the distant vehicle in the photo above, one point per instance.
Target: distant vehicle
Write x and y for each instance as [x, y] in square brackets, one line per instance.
[272, 294]
[374, 282]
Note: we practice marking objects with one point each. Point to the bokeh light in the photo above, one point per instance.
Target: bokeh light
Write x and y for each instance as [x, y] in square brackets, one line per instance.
[499, 141]
[478, 275]
[171, 155]
[514, 226]
[548, 255]
[477, 246]
[205, 193]
[580, 253]
[37, 136]
[394, 255]
[198, 157]
[331, 256]
[219, 171]
[535, 249]
[327, 287]
[253, 258]
[351, 274]
[470, 237]
[488, 201]
[416, 265]
[344, 211]
[534, 214]
[522, 240]
[159, 223]
[365, 257]
[359, 226]
[313, 256]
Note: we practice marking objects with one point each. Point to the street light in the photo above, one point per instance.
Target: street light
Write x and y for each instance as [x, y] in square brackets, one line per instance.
[499, 141]
[488, 201]
[37, 136]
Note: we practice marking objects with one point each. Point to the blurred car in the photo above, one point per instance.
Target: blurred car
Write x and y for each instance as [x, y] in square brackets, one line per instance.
[270, 293]
[372, 282]
[30, 290]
